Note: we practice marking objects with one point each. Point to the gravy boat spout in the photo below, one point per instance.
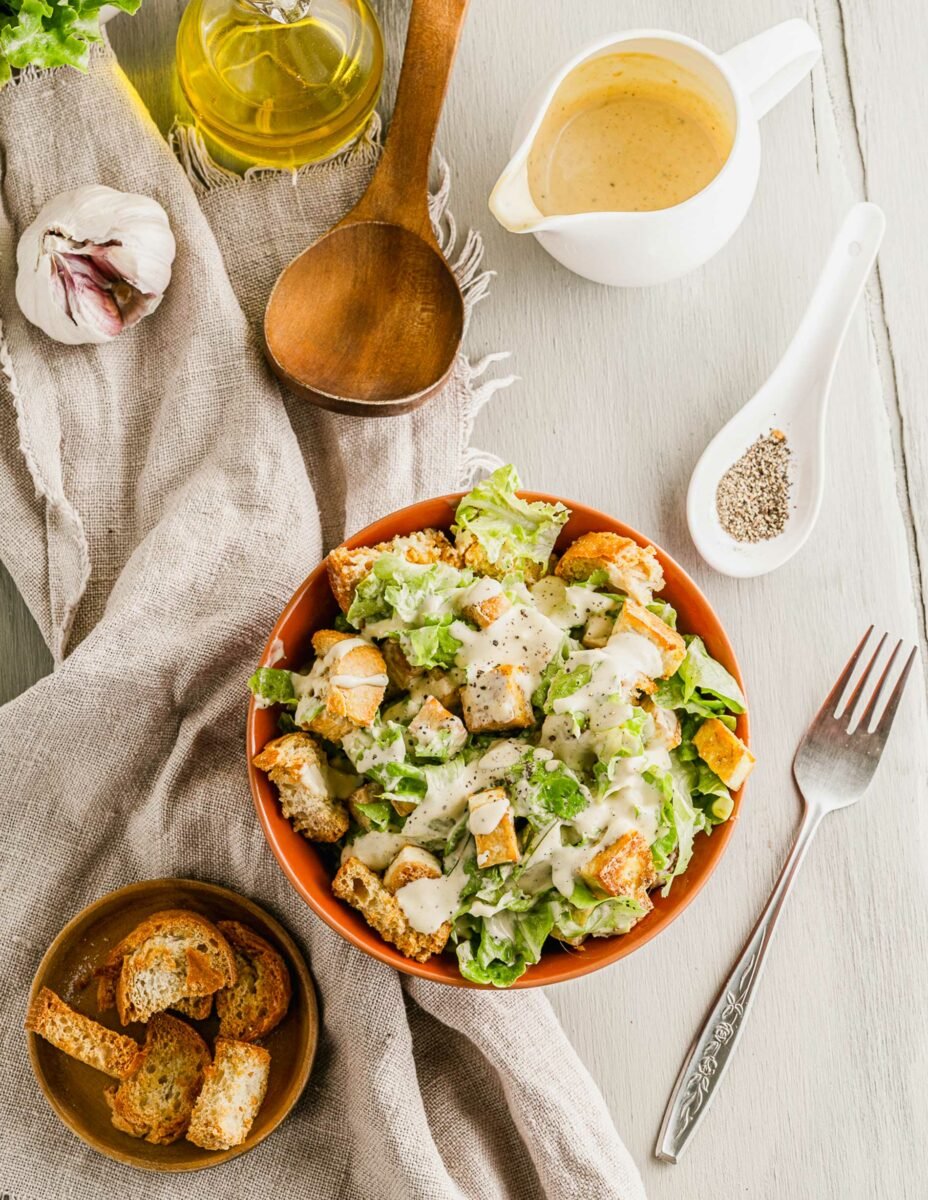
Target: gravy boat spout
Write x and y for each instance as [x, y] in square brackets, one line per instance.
[511, 199]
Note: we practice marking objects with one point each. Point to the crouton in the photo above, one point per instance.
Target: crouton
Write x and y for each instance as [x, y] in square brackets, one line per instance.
[362, 889]
[635, 618]
[667, 731]
[724, 752]
[400, 671]
[597, 631]
[486, 603]
[347, 700]
[233, 1091]
[346, 568]
[441, 685]
[410, 864]
[435, 732]
[258, 1000]
[79, 1036]
[156, 1099]
[173, 955]
[497, 700]
[295, 764]
[492, 824]
[626, 868]
[475, 558]
[629, 568]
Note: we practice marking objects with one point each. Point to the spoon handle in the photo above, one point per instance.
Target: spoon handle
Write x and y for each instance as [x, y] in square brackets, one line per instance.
[399, 189]
[813, 352]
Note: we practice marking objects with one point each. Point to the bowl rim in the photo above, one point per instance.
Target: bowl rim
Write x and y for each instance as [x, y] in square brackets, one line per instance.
[374, 946]
[297, 961]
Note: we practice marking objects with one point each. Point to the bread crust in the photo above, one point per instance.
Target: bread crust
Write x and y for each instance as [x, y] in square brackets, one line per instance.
[346, 568]
[156, 1098]
[630, 568]
[258, 1000]
[80, 1036]
[290, 762]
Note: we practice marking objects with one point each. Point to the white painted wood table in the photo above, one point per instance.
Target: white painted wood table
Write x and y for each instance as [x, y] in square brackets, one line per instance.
[619, 392]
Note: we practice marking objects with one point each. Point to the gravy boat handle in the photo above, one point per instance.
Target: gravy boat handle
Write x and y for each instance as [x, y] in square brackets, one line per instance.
[770, 65]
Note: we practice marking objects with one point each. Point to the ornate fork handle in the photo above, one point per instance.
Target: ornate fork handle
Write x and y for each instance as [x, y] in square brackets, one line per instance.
[715, 1044]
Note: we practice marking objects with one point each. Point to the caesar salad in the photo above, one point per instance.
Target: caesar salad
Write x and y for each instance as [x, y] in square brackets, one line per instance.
[504, 747]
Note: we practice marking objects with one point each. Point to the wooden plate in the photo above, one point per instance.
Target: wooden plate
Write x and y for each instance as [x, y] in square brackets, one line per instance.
[313, 607]
[75, 1091]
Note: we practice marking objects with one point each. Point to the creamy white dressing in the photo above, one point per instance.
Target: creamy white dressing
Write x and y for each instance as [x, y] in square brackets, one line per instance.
[486, 817]
[522, 637]
[366, 752]
[568, 605]
[484, 588]
[428, 903]
[353, 681]
[375, 849]
[276, 651]
[451, 786]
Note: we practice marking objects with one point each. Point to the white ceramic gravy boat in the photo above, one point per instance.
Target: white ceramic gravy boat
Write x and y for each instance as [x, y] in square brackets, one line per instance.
[634, 249]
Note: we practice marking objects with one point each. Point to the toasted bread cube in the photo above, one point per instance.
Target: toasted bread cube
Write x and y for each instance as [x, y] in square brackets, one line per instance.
[435, 732]
[295, 763]
[667, 730]
[79, 1036]
[362, 795]
[598, 631]
[626, 868]
[492, 824]
[233, 1090]
[410, 864]
[724, 752]
[635, 618]
[497, 700]
[475, 557]
[630, 568]
[441, 685]
[349, 701]
[487, 608]
[346, 568]
[400, 671]
[358, 886]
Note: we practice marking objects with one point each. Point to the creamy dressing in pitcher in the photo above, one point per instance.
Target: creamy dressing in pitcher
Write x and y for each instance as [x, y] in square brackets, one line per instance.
[626, 133]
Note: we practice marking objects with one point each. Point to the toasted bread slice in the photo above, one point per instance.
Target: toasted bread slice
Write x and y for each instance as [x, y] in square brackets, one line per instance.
[628, 567]
[233, 1091]
[258, 1000]
[173, 955]
[197, 1008]
[346, 568]
[295, 763]
[358, 886]
[156, 1099]
[80, 1036]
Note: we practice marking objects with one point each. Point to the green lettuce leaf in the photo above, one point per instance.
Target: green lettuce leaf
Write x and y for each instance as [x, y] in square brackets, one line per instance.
[380, 813]
[58, 34]
[400, 781]
[700, 672]
[270, 685]
[432, 644]
[510, 530]
[397, 588]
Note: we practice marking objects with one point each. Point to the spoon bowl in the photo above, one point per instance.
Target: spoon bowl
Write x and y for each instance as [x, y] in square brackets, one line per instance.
[369, 319]
[397, 308]
[794, 400]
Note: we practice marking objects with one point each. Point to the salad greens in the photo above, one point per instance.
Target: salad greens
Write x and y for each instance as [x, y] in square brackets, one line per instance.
[539, 745]
[50, 33]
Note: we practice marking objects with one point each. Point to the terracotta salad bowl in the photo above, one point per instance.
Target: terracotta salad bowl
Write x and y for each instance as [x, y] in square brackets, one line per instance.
[313, 607]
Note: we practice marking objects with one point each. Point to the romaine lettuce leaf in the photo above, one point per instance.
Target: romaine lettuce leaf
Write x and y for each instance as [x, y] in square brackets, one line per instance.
[432, 644]
[400, 781]
[272, 686]
[57, 33]
[510, 530]
[699, 671]
[408, 591]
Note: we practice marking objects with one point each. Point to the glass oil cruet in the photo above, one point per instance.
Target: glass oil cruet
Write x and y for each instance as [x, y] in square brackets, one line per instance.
[279, 83]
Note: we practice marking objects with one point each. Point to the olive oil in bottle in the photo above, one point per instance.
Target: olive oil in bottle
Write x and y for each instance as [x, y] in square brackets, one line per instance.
[280, 82]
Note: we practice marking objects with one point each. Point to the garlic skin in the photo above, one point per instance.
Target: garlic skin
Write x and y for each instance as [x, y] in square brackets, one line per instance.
[93, 263]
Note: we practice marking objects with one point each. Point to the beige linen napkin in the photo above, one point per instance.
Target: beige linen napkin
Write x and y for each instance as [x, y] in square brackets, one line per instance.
[159, 501]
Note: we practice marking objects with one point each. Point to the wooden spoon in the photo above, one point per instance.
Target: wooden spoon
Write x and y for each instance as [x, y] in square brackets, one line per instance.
[369, 319]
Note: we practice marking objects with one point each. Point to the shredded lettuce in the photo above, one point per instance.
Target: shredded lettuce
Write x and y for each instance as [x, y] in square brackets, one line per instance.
[511, 531]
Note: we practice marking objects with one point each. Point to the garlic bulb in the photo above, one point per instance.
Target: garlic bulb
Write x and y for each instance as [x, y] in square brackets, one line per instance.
[93, 263]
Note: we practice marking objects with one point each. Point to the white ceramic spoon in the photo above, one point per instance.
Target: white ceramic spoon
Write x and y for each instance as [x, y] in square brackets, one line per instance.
[795, 400]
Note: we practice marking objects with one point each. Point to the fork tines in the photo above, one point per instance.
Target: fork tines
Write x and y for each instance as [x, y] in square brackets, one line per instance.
[884, 696]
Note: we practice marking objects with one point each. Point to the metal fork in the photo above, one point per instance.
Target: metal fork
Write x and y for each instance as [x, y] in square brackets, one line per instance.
[833, 767]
